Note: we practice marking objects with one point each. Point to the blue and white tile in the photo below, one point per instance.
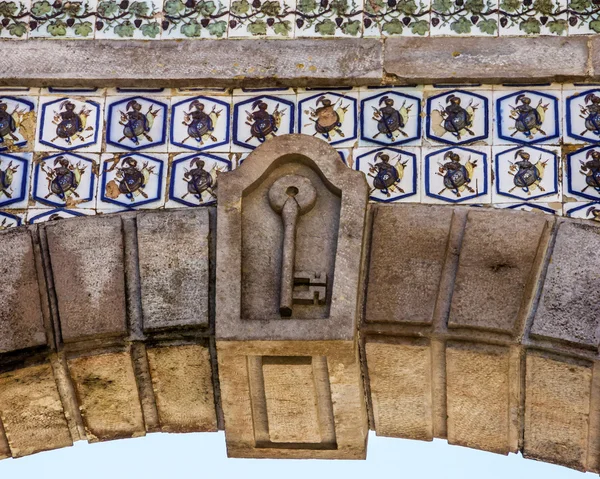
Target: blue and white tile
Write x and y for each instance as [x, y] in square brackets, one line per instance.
[346, 154]
[392, 173]
[194, 179]
[70, 123]
[541, 208]
[15, 172]
[136, 123]
[65, 180]
[134, 90]
[19, 90]
[391, 117]
[200, 123]
[458, 117]
[134, 180]
[527, 116]
[329, 115]
[526, 173]
[39, 215]
[201, 90]
[582, 174]
[11, 219]
[456, 175]
[72, 90]
[263, 91]
[582, 115]
[18, 113]
[256, 119]
[585, 210]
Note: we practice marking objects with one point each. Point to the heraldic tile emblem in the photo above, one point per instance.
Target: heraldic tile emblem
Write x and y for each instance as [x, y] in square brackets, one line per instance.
[390, 118]
[14, 179]
[583, 210]
[458, 117]
[70, 124]
[528, 116]
[542, 208]
[392, 173]
[132, 181]
[17, 123]
[582, 174]
[136, 123]
[582, 119]
[456, 175]
[199, 123]
[194, 179]
[66, 180]
[525, 173]
[330, 116]
[9, 220]
[258, 118]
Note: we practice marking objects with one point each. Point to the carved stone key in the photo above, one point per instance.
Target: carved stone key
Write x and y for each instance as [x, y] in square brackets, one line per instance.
[290, 196]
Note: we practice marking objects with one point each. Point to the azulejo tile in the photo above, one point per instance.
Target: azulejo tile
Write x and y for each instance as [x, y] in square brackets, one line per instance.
[542, 208]
[533, 17]
[272, 18]
[390, 118]
[14, 19]
[526, 173]
[456, 175]
[71, 91]
[396, 17]
[583, 210]
[195, 18]
[38, 215]
[69, 123]
[62, 19]
[117, 19]
[464, 17]
[583, 115]
[258, 118]
[323, 18]
[458, 117]
[392, 173]
[132, 181]
[194, 179]
[330, 116]
[9, 220]
[14, 179]
[584, 17]
[136, 123]
[199, 123]
[65, 180]
[17, 123]
[582, 173]
[528, 116]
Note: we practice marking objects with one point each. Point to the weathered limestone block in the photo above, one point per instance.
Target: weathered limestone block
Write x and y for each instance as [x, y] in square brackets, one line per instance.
[174, 280]
[183, 387]
[108, 396]
[408, 250]
[32, 412]
[570, 301]
[292, 399]
[401, 395]
[87, 265]
[480, 397]
[557, 408]
[21, 321]
[498, 267]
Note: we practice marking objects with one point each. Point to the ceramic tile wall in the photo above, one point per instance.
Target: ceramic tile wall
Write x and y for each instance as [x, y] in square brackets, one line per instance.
[69, 152]
[175, 19]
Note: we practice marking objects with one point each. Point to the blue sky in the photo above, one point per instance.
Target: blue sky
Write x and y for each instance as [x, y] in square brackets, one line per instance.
[168, 456]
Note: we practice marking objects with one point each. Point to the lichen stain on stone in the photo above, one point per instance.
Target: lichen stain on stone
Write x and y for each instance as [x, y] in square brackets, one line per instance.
[456, 54]
[300, 65]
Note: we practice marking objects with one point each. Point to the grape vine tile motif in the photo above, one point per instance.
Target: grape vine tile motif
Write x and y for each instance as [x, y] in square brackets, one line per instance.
[14, 179]
[14, 19]
[65, 180]
[195, 18]
[17, 123]
[62, 19]
[272, 18]
[584, 17]
[533, 17]
[464, 17]
[194, 179]
[408, 18]
[118, 19]
[39, 215]
[322, 18]
[583, 210]
[9, 220]
[392, 174]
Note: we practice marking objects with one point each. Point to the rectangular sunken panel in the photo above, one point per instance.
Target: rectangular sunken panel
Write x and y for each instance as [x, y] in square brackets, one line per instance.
[499, 262]
[401, 394]
[87, 266]
[408, 251]
[174, 281]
